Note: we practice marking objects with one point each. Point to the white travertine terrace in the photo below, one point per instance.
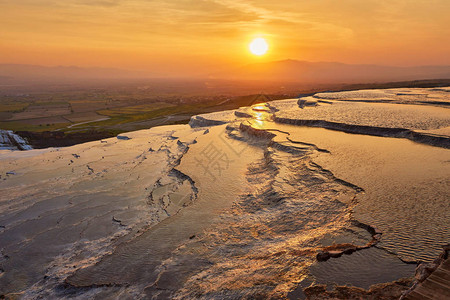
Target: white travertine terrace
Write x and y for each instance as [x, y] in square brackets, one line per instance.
[236, 204]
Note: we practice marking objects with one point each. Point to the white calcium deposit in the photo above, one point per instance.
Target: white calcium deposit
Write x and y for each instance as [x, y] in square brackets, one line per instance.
[236, 204]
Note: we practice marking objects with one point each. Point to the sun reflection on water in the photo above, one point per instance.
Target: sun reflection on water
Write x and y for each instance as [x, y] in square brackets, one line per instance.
[260, 107]
[258, 124]
[261, 112]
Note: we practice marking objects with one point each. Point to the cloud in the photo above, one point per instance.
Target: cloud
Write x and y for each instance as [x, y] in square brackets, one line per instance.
[221, 27]
[101, 3]
[210, 12]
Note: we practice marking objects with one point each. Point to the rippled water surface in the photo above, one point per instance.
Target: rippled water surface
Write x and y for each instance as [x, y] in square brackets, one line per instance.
[244, 207]
[406, 188]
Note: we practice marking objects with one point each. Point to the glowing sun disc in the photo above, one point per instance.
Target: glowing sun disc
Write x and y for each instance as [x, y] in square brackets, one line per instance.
[258, 46]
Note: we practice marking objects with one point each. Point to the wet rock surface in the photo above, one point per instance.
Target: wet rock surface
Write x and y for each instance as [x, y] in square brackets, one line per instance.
[240, 204]
[11, 141]
[383, 291]
[431, 279]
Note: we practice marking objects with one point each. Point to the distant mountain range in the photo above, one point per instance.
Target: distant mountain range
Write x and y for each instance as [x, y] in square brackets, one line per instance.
[332, 72]
[276, 71]
[13, 73]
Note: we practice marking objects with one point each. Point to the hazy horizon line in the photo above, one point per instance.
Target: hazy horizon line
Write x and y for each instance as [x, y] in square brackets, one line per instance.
[241, 65]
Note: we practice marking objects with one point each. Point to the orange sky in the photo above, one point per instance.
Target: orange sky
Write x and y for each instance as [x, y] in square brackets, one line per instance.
[196, 36]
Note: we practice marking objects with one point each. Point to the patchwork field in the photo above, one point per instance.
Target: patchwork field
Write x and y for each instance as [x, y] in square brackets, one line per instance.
[89, 112]
[106, 110]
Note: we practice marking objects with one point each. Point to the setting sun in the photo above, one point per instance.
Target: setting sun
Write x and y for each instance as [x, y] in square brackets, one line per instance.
[258, 46]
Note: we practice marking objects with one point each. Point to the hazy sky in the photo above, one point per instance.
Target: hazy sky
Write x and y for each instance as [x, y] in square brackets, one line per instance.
[201, 35]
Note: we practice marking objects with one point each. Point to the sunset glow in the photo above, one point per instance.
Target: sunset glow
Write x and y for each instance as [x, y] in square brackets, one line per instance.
[258, 46]
[194, 37]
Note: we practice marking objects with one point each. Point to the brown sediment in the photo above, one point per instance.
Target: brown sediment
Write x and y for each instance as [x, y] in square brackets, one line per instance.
[382, 291]
[337, 250]
[432, 279]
